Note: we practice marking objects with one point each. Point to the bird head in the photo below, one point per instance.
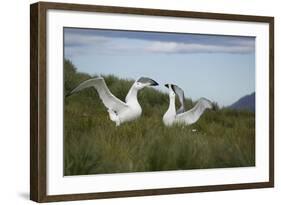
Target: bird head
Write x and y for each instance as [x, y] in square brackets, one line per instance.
[172, 93]
[144, 82]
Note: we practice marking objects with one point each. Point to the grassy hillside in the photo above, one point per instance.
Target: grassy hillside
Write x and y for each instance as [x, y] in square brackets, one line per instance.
[94, 145]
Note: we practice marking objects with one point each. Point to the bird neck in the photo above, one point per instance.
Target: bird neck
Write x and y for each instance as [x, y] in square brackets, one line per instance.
[132, 95]
[172, 106]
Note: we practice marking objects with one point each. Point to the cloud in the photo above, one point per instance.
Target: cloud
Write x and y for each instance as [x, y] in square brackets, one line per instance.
[80, 41]
[77, 44]
[175, 47]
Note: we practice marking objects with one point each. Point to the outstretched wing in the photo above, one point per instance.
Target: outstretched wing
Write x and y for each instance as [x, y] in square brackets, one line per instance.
[180, 94]
[108, 99]
[192, 115]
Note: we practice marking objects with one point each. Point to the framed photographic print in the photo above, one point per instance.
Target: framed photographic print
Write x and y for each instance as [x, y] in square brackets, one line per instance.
[134, 102]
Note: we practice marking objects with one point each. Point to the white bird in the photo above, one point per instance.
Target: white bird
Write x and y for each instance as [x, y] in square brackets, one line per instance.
[181, 116]
[118, 111]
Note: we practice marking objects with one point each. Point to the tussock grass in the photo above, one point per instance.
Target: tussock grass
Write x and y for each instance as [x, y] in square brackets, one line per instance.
[93, 145]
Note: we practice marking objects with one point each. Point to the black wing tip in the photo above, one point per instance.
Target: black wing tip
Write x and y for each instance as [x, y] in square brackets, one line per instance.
[215, 106]
[154, 83]
[68, 94]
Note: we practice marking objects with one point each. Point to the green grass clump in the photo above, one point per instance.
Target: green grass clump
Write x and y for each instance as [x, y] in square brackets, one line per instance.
[94, 145]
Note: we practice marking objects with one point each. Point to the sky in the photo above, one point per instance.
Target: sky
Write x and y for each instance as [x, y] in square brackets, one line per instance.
[220, 68]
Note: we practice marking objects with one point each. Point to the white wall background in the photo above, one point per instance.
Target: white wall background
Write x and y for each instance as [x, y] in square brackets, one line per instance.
[14, 101]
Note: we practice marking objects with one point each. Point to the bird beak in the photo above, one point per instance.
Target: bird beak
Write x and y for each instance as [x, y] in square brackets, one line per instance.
[173, 88]
[153, 83]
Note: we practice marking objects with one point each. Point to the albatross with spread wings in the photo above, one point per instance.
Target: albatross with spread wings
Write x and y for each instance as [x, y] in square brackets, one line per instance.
[118, 111]
[181, 116]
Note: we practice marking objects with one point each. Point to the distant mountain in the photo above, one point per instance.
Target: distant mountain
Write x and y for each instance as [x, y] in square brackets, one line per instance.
[247, 102]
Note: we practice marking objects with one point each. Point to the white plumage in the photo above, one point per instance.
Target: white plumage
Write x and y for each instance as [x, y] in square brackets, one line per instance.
[118, 111]
[181, 116]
